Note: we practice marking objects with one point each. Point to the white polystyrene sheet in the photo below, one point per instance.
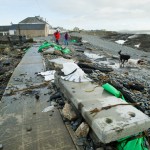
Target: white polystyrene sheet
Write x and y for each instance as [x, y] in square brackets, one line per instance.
[48, 75]
[138, 45]
[69, 67]
[120, 41]
[77, 76]
[61, 60]
[133, 36]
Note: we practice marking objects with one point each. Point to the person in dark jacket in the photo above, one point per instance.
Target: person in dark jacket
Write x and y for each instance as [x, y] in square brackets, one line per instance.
[57, 36]
[66, 37]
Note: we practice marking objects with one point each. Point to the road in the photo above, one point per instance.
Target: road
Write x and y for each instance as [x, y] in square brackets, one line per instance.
[112, 47]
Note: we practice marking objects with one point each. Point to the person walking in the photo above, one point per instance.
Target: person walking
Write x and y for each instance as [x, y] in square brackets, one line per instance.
[66, 37]
[57, 36]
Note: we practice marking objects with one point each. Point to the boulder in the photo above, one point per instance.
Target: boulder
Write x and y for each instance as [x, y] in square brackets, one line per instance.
[82, 130]
[68, 112]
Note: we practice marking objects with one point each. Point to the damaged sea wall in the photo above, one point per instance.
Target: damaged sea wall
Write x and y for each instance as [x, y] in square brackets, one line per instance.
[108, 124]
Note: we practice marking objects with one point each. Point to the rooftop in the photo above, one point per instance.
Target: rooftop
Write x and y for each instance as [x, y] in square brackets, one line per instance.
[33, 20]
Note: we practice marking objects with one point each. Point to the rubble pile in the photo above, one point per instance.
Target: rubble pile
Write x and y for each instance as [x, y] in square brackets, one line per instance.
[132, 88]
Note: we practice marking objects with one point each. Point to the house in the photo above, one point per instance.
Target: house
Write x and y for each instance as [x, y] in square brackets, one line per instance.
[33, 27]
[29, 27]
[4, 30]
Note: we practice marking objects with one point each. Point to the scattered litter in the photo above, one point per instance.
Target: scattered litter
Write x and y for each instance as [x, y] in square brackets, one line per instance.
[133, 36]
[84, 41]
[49, 108]
[137, 46]
[74, 73]
[48, 75]
[121, 41]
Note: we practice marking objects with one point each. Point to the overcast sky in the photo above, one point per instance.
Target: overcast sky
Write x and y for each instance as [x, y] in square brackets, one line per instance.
[85, 14]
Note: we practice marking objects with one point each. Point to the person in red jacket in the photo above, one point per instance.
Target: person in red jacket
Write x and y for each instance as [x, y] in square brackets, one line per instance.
[57, 36]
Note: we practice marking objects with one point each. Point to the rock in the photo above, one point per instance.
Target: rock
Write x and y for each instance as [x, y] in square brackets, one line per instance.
[108, 148]
[86, 70]
[82, 130]
[101, 59]
[6, 62]
[61, 102]
[29, 128]
[76, 123]
[37, 96]
[1, 146]
[100, 148]
[81, 141]
[67, 56]
[55, 96]
[68, 112]
[136, 86]
[6, 51]
[57, 52]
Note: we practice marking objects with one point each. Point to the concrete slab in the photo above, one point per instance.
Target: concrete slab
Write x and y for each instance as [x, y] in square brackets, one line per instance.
[25, 74]
[78, 92]
[111, 124]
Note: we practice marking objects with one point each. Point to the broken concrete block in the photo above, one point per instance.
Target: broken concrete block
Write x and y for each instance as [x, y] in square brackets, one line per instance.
[82, 130]
[68, 112]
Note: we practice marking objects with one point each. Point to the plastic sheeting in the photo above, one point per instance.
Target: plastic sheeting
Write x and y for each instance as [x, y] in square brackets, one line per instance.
[74, 73]
[48, 75]
[61, 60]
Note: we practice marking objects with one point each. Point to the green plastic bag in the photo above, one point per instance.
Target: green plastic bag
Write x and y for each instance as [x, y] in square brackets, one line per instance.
[135, 144]
[66, 51]
[45, 45]
[57, 47]
[111, 90]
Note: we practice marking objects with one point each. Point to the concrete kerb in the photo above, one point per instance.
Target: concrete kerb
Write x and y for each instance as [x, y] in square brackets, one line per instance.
[108, 125]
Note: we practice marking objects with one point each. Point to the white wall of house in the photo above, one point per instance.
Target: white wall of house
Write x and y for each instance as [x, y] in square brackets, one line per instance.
[12, 32]
[52, 31]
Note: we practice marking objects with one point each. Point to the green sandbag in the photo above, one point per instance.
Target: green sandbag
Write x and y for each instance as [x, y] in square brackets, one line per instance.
[66, 51]
[135, 144]
[46, 45]
[57, 47]
[73, 41]
[111, 90]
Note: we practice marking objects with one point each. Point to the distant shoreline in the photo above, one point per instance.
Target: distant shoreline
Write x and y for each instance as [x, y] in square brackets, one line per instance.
[136, 32]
